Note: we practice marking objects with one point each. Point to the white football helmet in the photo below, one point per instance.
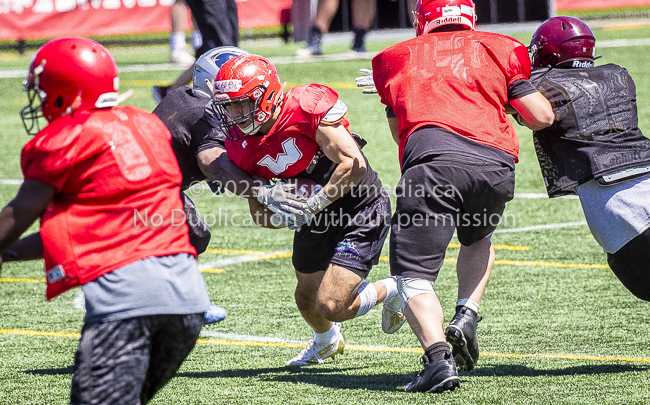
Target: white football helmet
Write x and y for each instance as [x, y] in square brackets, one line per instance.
[208, 65]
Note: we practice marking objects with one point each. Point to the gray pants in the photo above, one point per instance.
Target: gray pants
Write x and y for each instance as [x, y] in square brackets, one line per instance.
[128, 361]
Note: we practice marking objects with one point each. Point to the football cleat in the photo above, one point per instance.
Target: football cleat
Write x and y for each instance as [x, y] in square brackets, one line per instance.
[313, 46]
[436, 377]
[315, 352]
[359, 43]
[181, 57]
[214, 314]
[392, 314]
[461, 334]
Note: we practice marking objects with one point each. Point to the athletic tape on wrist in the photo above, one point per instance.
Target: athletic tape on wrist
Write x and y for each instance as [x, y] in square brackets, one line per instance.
[318, 201]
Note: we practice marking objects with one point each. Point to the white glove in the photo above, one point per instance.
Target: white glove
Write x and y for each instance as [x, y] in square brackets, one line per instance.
[303, 210]
[366, 81]
[276, 197]
[287, 203]
[281, 220]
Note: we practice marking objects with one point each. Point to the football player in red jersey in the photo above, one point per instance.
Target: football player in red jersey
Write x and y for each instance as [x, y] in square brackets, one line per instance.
[447, 92]
[107, 194]
[595, 149]
[305, 133]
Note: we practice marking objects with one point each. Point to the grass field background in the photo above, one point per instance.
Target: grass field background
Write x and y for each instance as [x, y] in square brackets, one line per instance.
[558, 327]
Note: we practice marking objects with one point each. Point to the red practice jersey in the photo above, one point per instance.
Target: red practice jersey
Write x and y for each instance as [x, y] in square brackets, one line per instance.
[117, 193]
[455, 80]
[290, 145]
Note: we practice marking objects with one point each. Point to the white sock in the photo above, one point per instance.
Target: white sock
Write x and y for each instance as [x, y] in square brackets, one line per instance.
[391, 287]
[368, 295]
[466, 302]
[329, 336]
[177, 41]
[197, 39]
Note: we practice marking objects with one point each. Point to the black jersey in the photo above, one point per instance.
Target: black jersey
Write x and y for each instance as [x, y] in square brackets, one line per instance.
[595, 132]
[179, 111]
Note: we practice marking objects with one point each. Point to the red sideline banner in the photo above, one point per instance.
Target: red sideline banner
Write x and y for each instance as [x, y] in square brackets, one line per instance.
[40, 19]
[598, 4]
[263, 13]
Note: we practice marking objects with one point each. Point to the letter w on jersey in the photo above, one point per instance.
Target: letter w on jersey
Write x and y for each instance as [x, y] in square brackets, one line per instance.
[290, 155]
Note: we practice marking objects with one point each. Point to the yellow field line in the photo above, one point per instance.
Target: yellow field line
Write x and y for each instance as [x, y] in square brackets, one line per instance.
[21, 280]
[276, 255]
[235, 252]
[213, 270]
[281, 255]
[550, 264]
[259, 252]
[357, 348]
[569, 357]
[531, 263]
[496, 247]
[625, 27]
[38, 333]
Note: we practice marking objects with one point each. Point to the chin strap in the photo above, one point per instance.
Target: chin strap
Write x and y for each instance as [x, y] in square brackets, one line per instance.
[124, 96]
[279, 98]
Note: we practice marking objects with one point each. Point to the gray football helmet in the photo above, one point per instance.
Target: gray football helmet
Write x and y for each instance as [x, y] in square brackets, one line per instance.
[208, 65]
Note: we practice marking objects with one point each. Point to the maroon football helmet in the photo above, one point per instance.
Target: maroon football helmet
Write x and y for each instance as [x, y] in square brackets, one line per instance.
[563, 42]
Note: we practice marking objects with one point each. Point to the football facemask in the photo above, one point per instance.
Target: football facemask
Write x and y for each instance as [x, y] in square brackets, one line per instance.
[32, 113]
[237, 116]
[245, 95]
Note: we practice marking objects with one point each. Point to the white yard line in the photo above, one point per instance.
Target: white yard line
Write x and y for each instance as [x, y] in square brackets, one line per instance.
[278, 60]
[617, 43]
[79, 301]
[247, 338]
[232, 260]
[283, 60]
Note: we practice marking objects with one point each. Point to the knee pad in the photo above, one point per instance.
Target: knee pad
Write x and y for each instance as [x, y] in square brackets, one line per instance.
[409, 287]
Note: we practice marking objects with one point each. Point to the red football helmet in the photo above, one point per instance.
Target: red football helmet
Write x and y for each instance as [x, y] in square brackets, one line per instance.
[68, 74]
[564, 42]
[245, 93]
[431, 14]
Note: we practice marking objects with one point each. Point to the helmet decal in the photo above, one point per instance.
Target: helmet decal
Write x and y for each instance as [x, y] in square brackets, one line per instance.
[431, 14]
[207, 66]
[227, 86]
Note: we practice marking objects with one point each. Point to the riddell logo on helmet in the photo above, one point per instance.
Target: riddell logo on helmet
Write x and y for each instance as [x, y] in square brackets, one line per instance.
[228, 86]
[449, 20]
[582, 64]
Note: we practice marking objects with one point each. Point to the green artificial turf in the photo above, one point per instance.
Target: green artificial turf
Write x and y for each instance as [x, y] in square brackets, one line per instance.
[558, 327]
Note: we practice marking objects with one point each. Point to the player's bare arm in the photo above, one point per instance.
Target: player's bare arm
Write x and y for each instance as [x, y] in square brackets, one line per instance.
[340, 147]
[535, 111]
[216, 165]
[28, 205]
[28, 248]
[393, 124]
